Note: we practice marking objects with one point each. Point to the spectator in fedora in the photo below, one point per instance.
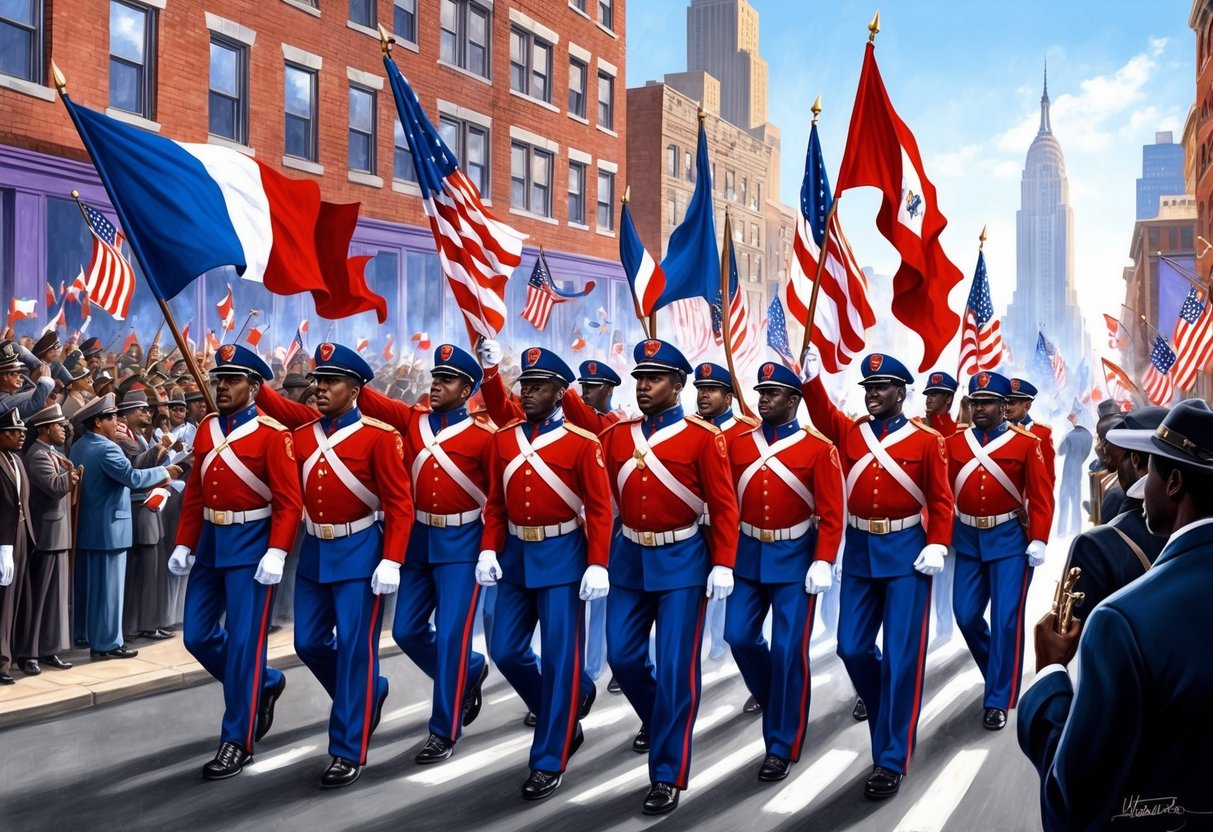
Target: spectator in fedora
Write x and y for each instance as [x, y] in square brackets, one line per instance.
[16, 535]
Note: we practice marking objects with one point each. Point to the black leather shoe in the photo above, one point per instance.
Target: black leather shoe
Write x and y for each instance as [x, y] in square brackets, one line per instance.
[882, 783]
[613, 686]
[472, 699]
[265, 709]
[751, 706]
[860, 712]
[641, 744]
[81, 642]
[662, 798]
[55, 662]
[774, 768]
[5, 679]
[587, 702]
[228, 762]
[341, 772]
[122, 652]
[995, 719]
[531, 719]
[155, 635]
[540, 784]
[29, 667]
[436, 749]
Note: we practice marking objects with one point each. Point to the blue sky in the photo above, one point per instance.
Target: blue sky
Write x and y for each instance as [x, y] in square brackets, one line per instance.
[966, 78]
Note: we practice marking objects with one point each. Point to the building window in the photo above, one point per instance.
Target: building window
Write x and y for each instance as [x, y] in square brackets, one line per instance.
[689, 166]
[300, 106]
[745, 189]
[132, 58]
[729, 181]
[754, 238]
[229, 90]
[606, 200]
[672, 210]
[579, 5]
[470, 144]
[362, 12]
[404, 20]
[671, 160]
[464, 37]
[530, 179]
[362, 129]
[606, 101]
[578, 72]
[403, 166]
[21, 39]
[606, 13]
[577, 192]
[530, 65]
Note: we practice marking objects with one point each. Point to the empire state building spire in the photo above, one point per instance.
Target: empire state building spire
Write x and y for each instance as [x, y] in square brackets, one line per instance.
[1045, 126]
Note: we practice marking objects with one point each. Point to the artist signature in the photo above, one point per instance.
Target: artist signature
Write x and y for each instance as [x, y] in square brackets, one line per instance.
[1136, 807]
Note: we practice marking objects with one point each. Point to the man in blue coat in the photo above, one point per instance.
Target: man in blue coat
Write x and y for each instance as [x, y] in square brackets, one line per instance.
[1129, 741]
[103, 533]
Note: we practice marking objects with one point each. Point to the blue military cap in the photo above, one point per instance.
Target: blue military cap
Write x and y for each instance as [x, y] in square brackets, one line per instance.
[235, 360]
[772, 375]
[539, 364]
[940, 382]
[987, 385]
[713, 375]
[1021, 389]
[879, 368]
[451, 361]
[1185, 436]
[595, 372]
[337, 360]
[653, 356]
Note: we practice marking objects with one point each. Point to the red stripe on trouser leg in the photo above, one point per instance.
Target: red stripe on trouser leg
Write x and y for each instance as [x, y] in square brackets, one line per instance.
[461, 682]
[798, 742]
[922, 669]
[371, 680]
[694, 689]
[262, 634]
[575, 684]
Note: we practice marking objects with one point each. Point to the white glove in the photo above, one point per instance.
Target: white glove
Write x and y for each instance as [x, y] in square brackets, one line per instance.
[180, 561]
[489, 352]
[6, 565]
[930, 559]
[386, 578]
[488, 570]
[269, 570]
[810, 363]
[1036, 553]
[838, 565]
[720, 582]
[595, 583]
[819, 578]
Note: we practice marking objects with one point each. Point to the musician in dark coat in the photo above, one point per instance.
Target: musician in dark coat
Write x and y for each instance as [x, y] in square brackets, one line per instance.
[16, 534]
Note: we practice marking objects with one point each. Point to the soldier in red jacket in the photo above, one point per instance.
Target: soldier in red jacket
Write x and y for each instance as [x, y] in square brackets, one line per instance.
[1019, 403]
[940, 392]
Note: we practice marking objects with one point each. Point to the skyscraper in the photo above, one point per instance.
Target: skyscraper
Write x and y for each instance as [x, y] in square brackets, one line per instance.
[1044, 298]
[722, 39]
[1162, 174]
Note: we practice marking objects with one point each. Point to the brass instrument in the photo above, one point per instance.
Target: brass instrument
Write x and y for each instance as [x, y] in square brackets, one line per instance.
[1065, 599]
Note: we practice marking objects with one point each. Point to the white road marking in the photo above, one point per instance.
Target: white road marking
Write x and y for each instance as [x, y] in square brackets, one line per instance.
[632, 778]
[600, 718]
[458, 767]
[401, 713]
[931, 811]
[714, 676]
[718, 715]
[953, 690]
[497, 700]
[280, 760]
[722, 768]
[804, 789]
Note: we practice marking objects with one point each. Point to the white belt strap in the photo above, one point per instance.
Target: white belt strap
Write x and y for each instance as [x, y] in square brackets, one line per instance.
[324, 448]
[332, 531]
[878, 450]
[433, 447]
[771, 535]
[660, 538]
[643, 457]
[537, 534]
[989, 521]
[442, 521]
[222, 449]
[530, 453]
[981, 457]
[767, 455]
[223, 517]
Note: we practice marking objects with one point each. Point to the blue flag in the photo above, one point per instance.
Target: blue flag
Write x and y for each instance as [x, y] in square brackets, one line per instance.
[692, 263]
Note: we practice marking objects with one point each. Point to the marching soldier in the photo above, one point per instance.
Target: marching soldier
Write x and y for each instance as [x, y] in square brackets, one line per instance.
[504, 406]
[548, 479]
[667, 471]
[357, 512]
[1019, 403]
[1004, 508]
[940, 393]
[896, 472]
[789, 491]
[239, 517]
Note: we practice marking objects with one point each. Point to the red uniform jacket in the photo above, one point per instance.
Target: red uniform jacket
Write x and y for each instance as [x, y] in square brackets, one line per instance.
[1019, 456]
[942, 423]
[1045, 434]
[504, 406]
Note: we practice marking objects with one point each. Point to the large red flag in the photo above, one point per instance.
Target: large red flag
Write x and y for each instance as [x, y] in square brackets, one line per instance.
[881, 152]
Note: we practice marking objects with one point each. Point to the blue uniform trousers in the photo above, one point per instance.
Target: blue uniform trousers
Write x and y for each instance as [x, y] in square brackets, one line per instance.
[776, 673]
[551, 687]
[449, 592]
[347, 663]
[888, 680]
[104, 581]
[80, 600]
[595, 638]
[234, 651]
[665, 693]
[1003, 585]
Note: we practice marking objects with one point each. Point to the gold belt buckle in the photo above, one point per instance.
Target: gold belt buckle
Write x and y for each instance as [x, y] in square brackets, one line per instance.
[532, 534]
[878, 525]
[648, 538]
[438, 521]
[766, 535]
[985, 522]
[326, 531]
[220, 518]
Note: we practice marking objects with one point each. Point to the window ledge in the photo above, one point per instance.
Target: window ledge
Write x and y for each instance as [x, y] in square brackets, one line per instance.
[231, 145]
[406, 44]
[29, 88]
[486, 81]
[612, 34]
[132, 119]
[303, 7]
[545, 105]
[304, 165]
[578, 118]
[365, 30]
[580, 12]
[531, 216]
[577, 225]
[359, 177]
[404, 186]
[605, 232]
[606, 130]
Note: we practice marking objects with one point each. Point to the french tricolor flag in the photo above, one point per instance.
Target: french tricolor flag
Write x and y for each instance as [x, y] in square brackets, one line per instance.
[643, 272]
[188, 208]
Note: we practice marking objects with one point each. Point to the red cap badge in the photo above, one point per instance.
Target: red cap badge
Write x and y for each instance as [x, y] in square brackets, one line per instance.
[326, 351]
[983, 380]
[592, 367]
[1015, 385]
[874, 362]
[705, 370]
[532, 355]
[227, 351]
[768, 370]
[936, 378]
[445, 352]
[651, 348]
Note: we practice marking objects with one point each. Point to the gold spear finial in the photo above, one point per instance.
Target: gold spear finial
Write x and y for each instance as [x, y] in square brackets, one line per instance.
[385, 40]
[75, 194]
[699, 111]
[627, 194]
[816, 108]
[60, 80]
[981, 238]
[874, 27]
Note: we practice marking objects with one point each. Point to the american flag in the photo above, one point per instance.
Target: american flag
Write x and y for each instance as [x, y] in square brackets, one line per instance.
[110, 280]
[844, 312]
[981, 333]
[1049, 361]
[692, 327]
[227, 310]
[777, 335]
[1159, 382]
[541, 296]
[477, 251]
[743, 340]
[296, 345]
[1193, 339]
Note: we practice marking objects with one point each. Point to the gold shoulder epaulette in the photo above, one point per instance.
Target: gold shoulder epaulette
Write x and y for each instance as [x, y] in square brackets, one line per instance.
[271, 422]
[917, 422]
[749, 420]
[375, 423]
[812, 431]
[1024, 431]
[1043, 425]
[703, 423]
[512, 423]
[579, 431]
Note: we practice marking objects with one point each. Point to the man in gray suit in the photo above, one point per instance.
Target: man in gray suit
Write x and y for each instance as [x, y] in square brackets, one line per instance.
[103, 534]
[52, 480]
[16, 534]
[26, 394]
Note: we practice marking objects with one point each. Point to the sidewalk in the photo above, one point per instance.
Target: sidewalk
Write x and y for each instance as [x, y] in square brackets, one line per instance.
[160, 666]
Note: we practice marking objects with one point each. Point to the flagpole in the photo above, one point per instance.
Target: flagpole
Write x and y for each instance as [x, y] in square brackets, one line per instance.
[203, 386]
[147, 358]
[253, 313]
[981, 244]
[821, 255]
[726, 261]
